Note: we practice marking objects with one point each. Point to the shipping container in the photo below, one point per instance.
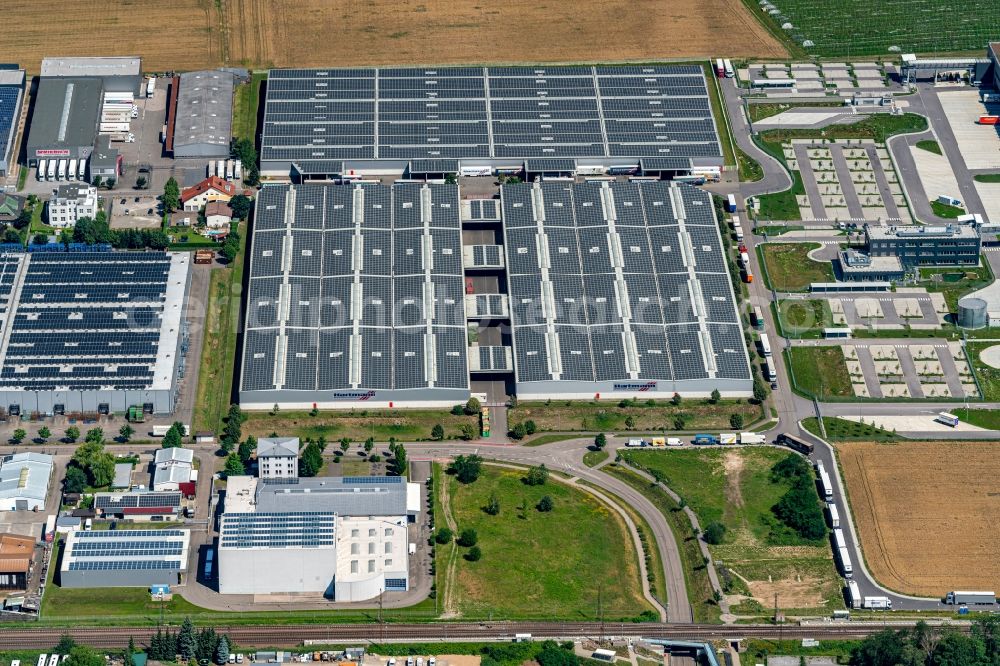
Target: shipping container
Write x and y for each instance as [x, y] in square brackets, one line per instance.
[765, 345]
[728, 67]
[731, 203]
[978, 598]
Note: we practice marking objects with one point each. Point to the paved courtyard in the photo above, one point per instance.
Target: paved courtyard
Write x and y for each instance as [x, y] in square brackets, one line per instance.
[931, 368]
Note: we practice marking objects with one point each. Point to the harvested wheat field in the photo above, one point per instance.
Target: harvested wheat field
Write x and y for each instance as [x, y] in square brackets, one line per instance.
[927, 513]
[186, 34]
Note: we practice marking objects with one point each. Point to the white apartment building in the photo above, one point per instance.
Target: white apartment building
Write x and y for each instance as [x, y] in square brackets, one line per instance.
[278, 457]
[70, 203]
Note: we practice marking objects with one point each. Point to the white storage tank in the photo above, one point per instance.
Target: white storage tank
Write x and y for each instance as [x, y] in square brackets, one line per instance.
[972, 313]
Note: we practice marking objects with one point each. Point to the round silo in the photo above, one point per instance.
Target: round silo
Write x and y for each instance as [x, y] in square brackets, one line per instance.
[972, 312]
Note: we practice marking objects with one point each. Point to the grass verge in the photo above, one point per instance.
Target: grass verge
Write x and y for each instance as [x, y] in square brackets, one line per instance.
[721, 117]
[595, 458]
[538, 564]
[984, 418]
[803, 319]
[946, 211]
[842, 430]
[768, 110]
[789, 268]
[930, 145]
[245, 104]
[549, 439]
[750, 170]
[987, 178]
[648, 416]
[699, 587]
[406, 425]
[988, 376]
[218, 354]
[820, 372]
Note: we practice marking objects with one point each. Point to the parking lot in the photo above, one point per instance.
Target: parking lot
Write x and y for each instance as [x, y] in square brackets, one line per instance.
[134, 212]
[892, 311]
[918, 369]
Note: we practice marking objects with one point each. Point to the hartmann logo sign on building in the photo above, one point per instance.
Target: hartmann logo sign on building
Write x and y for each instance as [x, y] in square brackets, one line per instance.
[635, 386]
[354, 395]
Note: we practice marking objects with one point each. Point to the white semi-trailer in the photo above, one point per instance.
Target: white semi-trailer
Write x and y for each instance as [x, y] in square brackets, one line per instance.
[846, 567]
[838, 538]
[40, 172]
[62, 170]
[752, 438]
[50, 173]
[854, 594]
[973, 598]
[877, 603]
[81, 173]
[834, 515]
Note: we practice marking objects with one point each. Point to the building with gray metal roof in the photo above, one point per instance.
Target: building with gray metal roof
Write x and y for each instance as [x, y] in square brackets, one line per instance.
[345, 496]
[620, 289]
[123, 476]
[65, 119]
[382, 119]
[124, 558]
[355, 294]
[118, 73]
[204, 119]
[92, 332]
[24, 481]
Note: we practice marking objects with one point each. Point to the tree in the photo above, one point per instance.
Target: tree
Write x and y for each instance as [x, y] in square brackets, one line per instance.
[82, 655]
[171, 196]
[493, 505]
[44, 433]
[246, 449]
[125, 432]
[468, 431]
[715, 397]
[472, 406]
[131, 649]
[437, 432]
[884, 648]
[240, 205]
[110, 183]
[545, 504]
[474, 554]
[40, 239]
[466, 468]
[369, 445]
[172, 439]
[444, 535]
[600, 441]
[65, 644]
[187, 644]
[234, 466]
[140, 183]
[760, 390]
[230, 248]
[714, 533]
[399, 460]
[799, 509]
[629, 422]
[468, 538]
[311, 460]
[736, 420]
[676, 400]
[552, 655]
[519, 432]
[222, 651]
[345, 445]
[98, 181]
[207, 641]
[537, 476]
[19, 436]
[95, 436]
[530, 427]
[75, 480]
[244, 151]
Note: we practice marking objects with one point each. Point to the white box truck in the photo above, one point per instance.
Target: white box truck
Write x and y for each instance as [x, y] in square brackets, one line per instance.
[765, 345]
[974, 598]
[845, 563]
[948, 419]
[752, 438]
[877, 603]
[150, 86]
[728, 438]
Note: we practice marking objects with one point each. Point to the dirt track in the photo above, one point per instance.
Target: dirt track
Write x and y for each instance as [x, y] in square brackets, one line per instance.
[926, 513]
[190, 34]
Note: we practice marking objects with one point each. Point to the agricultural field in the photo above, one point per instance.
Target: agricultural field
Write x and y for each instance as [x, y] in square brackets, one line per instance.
[925, 512]
[194, 34]
[852, 28]
[733, 486]
[534, 564]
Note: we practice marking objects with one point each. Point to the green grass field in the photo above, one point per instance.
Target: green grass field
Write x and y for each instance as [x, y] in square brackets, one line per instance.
[877, 126]
[984, 418]
[852, 28]
[405, 425]
[750, 170]
[946, 211]
[245, 104]
[733, 486]
[955, 282]
[930, 146]
[987, 177]
[610, 416]
[542, 565]
[820, 371]
[788, 267]
[989, 377]
[842, 430]
[595, 458]
[804, 319]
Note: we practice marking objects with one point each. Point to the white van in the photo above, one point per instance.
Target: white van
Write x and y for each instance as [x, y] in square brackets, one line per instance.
[89, 525]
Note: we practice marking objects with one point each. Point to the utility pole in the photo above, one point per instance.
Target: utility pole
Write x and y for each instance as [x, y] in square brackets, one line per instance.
[381, 621]
[779, 623]
[600, 609]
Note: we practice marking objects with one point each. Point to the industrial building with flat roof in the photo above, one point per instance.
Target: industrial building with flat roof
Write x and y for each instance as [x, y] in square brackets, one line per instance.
[119, 74]
[930, 245]
[204, 117]
[620, 289]
[11, 101]
[355, 294]
[91, 332]
[124, 558]
[378, 120]
[65, 119]
[24, 481]
[342, 537]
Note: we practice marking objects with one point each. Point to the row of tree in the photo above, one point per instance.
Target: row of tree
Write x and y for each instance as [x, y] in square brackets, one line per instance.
[204, 645]
[921, 646]
[799, 507]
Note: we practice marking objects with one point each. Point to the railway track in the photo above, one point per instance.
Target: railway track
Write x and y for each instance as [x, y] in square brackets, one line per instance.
[297, 635]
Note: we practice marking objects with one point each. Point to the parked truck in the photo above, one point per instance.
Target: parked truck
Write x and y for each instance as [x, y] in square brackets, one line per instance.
[727, 65]
[834, 515]
[150, 86]
[40, 172]
[729, 438]
[752, 438]
[731, 203]
[720, 68]
[162, 430]
[705, 440]
[765, 345]
[796, 443]
[877, 603]
[854, 597]
[948, 419]
[846, 567]
[824, 482]
[975, 598]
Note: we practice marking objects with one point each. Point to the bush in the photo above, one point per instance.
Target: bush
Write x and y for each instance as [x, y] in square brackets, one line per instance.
[519, 431]
[529, 427]
[468, 538]
[537, 476]
[466, 468]
[443, 536]
[714, 533]
[799, 509]
[545, 504]
[472, 406]
[457, 410]
[474, 554]
[736, 421]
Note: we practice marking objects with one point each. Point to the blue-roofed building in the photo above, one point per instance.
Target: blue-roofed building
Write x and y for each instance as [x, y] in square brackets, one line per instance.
[11, 101]
[124, 558]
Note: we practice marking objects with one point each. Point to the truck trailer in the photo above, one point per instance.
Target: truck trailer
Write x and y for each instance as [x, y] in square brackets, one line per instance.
[854, 597]
[705, 440]
[877, 603]
[834, 516]
[974, 598]
[751, 438]
[727, 65]
[40, 171]
[765, 345]
[796, 443]
[846, 568]
[729, 438]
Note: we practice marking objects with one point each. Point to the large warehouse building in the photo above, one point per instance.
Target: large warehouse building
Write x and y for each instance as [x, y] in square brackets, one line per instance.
[323, 121]
[355, 294]
[91, 332]
[620, 289]
[342, 537]
[124, 558]
[11, 101]
[203, 120]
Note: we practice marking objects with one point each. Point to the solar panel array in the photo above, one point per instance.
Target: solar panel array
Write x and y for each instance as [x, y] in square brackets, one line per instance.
[356, 287]
[300, 529]
[617, 282]
[126, 550]
[83, 320]
[499, 112]
[9, 95]
[113, 502]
